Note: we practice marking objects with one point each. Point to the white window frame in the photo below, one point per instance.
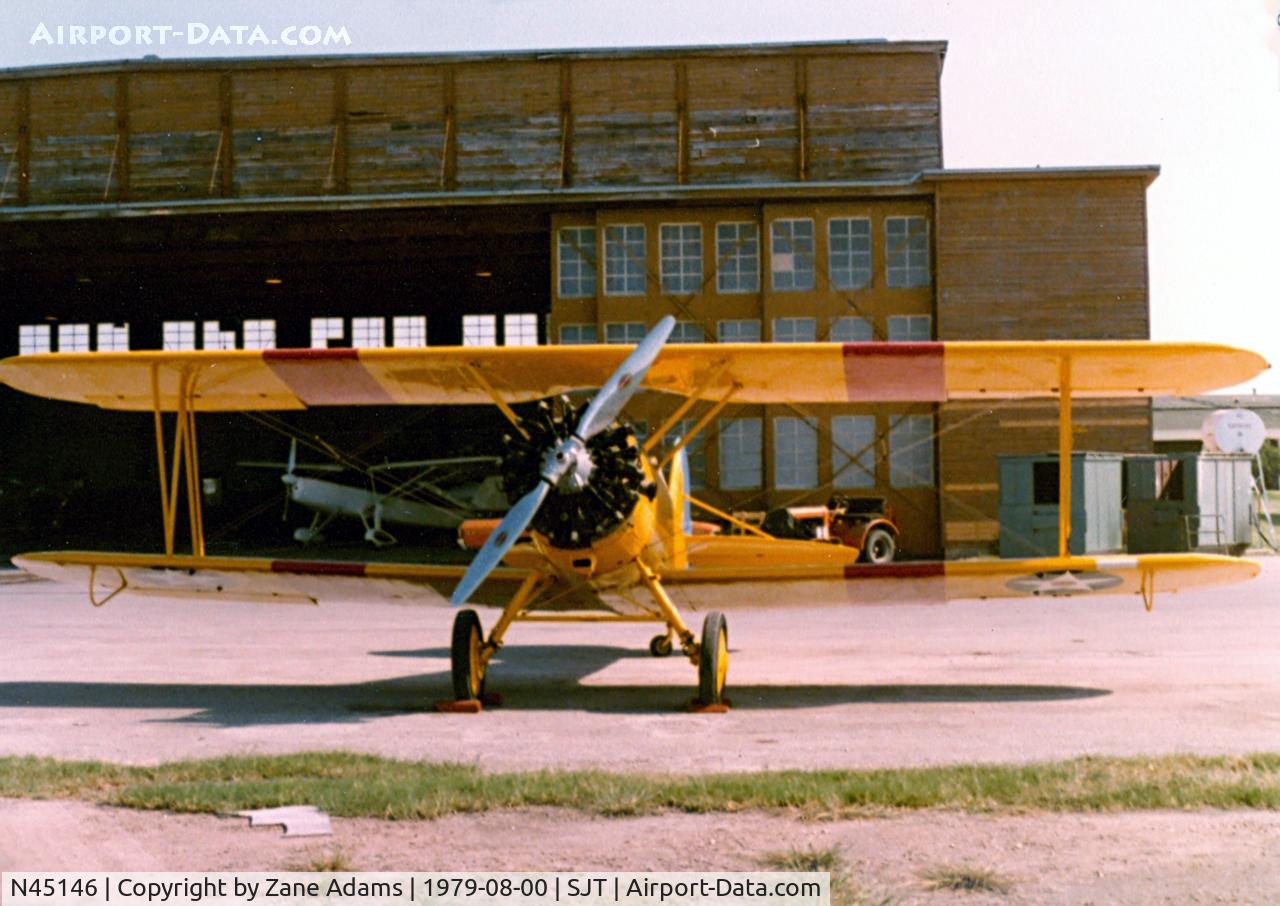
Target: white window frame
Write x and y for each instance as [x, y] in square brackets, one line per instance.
[34, 339]
[738, 330]
[115, 337]
[906, 252]
[576, 262]
[687, 332]
[581, 333]
[853, 451]
[681, 270]
[480, 330]
[795, 330]
[212, 336]
[624, 332]
[795, 452]
[624, 271]
[742, 253]
[741, 439]
[791, 256]
[175, 336]
[520, 329]
[409, 331]
[368, 333]
[258, 333]
[911, 451]
[910, 328]
[851, 329]
[849, 267]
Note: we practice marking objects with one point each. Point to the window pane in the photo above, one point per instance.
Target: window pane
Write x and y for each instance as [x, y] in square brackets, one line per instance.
[791, 254]
[409, 331]
[368, 333]
[695, 450]
[906, 242]
[687, 332]
[910, 328]
[747, 331]
[520, 330]
[741, 453]
[115, 338]
[853, 453]
[681, 257]
[577, 256]
[624, 332]
[794, 330]
[624, 260]
[479, 330]
[911, 451]
[795, 449]
[177, 335]
[33, 339]
[849, 252]
[577, 334]
[850, 330]
[260, 334]
[737, 258]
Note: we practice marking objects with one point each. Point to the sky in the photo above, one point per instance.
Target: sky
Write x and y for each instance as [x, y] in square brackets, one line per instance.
[1191, 86]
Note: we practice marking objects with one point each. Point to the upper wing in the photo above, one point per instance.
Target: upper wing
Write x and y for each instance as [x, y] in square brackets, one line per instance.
[761, 373]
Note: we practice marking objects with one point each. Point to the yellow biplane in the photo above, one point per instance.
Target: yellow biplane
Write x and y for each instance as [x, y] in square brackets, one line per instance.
[605, 514]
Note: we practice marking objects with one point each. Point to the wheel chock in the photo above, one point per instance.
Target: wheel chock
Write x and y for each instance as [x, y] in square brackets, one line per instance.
[697, 706]
[459, 706]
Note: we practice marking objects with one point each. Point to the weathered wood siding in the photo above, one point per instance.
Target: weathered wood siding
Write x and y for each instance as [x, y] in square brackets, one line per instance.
[267, 129]
[1031, 258]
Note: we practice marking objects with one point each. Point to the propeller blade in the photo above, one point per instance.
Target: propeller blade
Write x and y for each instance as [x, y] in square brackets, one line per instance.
[293, 456]
[607, 405]
[496, 546]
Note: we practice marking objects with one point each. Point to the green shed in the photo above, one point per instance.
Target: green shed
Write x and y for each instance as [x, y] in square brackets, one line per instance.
[1029, 504]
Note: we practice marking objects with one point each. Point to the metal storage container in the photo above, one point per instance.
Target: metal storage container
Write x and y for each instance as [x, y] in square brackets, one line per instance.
[1189, 501]
[1029, 504]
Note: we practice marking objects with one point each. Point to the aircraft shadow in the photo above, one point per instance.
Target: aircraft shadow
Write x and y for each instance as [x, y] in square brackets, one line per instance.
[529, 678]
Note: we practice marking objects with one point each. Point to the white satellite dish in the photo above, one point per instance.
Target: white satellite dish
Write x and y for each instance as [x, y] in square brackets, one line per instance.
[1233, 431]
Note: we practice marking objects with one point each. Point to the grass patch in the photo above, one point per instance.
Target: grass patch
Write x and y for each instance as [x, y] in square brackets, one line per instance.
[335, 860]
[845, 890]
[352, 785]
[965, 878]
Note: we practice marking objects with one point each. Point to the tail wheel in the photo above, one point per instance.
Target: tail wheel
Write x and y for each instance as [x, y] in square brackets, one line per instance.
[713, 659]
[879, 546]
[660, 645]
[465, 656]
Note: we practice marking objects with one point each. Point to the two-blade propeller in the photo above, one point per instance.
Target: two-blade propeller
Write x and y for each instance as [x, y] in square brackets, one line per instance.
[568, 463]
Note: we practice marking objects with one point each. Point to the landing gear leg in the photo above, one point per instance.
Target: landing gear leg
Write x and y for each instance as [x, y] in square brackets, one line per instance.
[469, 652]
[710, 656]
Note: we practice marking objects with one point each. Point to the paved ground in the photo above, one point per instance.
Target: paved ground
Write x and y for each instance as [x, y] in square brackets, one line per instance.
[148, 680]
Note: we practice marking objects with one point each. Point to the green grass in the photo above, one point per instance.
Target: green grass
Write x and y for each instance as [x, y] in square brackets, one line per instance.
[965, 877]
[845, 890]
[364, 785]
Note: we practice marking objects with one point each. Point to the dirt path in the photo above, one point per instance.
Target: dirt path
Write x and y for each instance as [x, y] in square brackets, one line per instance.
[1139, 858]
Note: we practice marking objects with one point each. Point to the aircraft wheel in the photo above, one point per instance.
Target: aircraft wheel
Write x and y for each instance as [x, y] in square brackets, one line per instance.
[879, 546]
[713, 659]
[464, 652]
[660, 645]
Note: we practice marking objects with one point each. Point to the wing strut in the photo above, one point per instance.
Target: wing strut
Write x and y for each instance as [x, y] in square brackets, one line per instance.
[1064, 456]
[185, 452]
[473, 372]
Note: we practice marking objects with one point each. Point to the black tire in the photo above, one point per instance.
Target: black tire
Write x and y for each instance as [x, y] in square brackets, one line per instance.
[713, 659]
[879, 546]
[660, 645]
[464, 654]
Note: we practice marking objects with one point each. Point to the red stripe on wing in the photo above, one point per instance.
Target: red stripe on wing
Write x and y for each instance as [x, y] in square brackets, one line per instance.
[326, 377]
[894, 372]
[317, 568]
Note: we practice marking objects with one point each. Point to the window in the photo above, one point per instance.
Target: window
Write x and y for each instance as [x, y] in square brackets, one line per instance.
[849, 252]
[520, 330]
[33, 339]
[747, 331]
[695, 451]
[174, 335]
[737, 258]
[911, 451]
[624, 332]
[906, 250]
[212, 336]
[115, 338]
[577, 334]
[479, 330]
[681, 257]
[368, 333]
[850, 329]
[259, 333]
[910, 328]
[795, 452]
[741, 453]
[791, 254]
[853, 451]
[795, 330]
[687, 332]
[409, 331]
[624, 260]
[325, 329]
[577, 262]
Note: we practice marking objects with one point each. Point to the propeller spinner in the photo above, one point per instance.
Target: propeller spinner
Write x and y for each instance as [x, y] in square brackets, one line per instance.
[568, 465]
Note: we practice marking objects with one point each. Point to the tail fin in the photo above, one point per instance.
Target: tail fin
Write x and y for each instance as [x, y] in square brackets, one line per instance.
[675, 515]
